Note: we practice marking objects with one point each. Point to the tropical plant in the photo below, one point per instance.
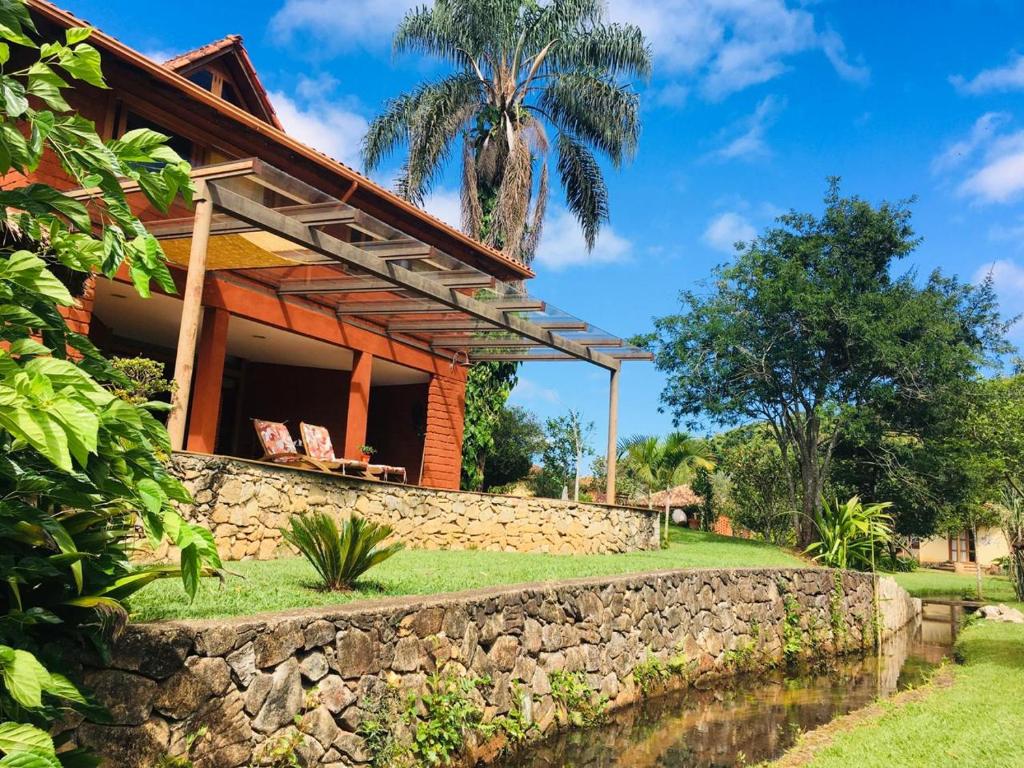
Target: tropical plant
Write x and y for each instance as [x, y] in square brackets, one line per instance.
[339, 556]
[1011, 519]
[367, 450]
[850, 534]
[662, 464]
[488, 386]
[80, 468]
[522, 69]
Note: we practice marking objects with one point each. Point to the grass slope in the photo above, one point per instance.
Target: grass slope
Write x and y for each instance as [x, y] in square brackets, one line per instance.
[288, 583]
[975, 721]
[941, 584]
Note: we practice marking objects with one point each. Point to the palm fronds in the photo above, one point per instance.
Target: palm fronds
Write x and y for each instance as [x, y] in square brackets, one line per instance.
[339, 556]
[848, 534]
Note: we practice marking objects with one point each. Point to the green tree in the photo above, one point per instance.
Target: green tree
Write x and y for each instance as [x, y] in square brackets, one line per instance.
[488, 386]
[662, 464]
[518, 438]
[521, 70]
[761, 503]
[809, 322]
[79, 467]
[566, 445]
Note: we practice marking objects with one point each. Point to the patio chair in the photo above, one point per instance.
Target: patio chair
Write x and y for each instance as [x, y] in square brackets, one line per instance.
[316, 441]
[279, 447]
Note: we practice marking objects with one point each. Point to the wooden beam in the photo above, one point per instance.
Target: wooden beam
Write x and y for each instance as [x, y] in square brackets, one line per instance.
[422, 306]
[612, 455]
[225, 170]
[431, 326]
[191, 316]
[483, 342]
[473, 279]
[279, 224]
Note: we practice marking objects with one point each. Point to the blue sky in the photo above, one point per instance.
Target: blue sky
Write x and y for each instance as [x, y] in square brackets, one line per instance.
[752, 104]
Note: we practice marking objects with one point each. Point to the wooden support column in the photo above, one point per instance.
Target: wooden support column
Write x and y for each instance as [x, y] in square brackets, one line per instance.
[191, 315]
[213, 342]
[613, 434]
[358, 403]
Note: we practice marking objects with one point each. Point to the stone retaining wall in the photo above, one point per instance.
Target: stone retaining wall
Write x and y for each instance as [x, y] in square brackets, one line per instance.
[245, 503]
[247, 683]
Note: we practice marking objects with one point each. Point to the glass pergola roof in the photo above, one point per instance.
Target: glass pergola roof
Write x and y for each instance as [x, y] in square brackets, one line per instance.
[305, 246]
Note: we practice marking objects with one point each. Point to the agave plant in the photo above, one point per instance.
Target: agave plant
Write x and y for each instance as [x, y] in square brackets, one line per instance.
[849, 533]
[339, 556]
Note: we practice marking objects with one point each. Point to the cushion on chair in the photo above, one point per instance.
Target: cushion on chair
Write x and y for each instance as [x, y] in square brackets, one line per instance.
[317, 441]
[274, 437]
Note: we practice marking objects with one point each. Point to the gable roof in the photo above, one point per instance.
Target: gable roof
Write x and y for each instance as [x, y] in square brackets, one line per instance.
[384, 204]
[231, 54]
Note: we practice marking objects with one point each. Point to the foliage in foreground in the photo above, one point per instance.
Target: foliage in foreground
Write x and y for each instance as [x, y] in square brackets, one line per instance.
[339, 556]
[850, 534]
[79, 466]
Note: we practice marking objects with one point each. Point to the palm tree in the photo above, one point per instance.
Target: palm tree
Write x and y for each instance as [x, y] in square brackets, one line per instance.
[523, 68]
[664, 464]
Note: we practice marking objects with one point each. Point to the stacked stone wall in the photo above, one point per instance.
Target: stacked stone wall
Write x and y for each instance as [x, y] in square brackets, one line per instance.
[309, 677]
[245, 503]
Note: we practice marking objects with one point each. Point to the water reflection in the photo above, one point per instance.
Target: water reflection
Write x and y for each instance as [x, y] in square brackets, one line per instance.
[754, 720]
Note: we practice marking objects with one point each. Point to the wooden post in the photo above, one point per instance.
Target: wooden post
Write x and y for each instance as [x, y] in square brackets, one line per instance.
[191, 316]
[613, 434]
[358, 404]
[213, 343]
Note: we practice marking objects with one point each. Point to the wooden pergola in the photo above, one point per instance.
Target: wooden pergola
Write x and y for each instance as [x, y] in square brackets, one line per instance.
[283, 233]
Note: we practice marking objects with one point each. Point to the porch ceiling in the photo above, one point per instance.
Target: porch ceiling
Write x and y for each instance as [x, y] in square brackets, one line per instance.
[306, 245]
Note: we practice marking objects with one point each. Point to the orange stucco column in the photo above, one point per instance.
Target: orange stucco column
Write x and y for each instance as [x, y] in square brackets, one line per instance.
[358, 403]
[205, 413]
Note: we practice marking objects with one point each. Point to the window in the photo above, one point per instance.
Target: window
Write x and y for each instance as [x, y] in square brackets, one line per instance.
[203, 78]
[229, 94]
[961, 547]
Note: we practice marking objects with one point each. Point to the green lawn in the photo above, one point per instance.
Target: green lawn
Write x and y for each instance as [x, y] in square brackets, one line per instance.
[928, 583]
[281, 584]
[976, 721]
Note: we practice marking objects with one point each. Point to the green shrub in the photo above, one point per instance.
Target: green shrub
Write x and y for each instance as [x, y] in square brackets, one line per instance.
[339, 557]
[578, 703]
[443, 717]
[849, 534]
[142, 379]
[80, 468]
[650, 673]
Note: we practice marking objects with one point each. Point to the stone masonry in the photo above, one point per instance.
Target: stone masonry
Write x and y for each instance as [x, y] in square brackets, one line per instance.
[246, 683]
[245, 503]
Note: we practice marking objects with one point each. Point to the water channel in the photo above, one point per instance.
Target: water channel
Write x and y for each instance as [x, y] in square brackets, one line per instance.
[756, 718]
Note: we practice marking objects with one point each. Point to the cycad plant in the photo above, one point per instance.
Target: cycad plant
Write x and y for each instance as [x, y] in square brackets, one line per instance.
[523, 70]
[850, 533]
[662, 464]
[339, 556]
[1011, 518]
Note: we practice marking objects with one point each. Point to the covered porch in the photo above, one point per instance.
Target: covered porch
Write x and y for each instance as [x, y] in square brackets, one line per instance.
[295, 306]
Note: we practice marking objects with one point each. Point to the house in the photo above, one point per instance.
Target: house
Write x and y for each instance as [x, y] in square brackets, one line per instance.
[306, 292]
[962, 552]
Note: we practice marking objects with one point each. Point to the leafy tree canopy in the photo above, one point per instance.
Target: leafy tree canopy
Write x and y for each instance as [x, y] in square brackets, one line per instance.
[518, 438]
[810, 321]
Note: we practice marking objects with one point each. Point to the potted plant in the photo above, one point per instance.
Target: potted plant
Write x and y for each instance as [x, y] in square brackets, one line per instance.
[366, 452]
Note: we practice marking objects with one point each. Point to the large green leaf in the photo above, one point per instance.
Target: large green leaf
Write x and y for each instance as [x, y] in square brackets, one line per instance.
[23, 677]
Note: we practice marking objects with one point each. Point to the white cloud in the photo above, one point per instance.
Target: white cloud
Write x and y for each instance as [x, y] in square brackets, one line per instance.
[748, 134]
[981, 133]
[562, 244]
[340, 25]
[991, 160]
[731, 45]
[727, 229]
[725, 45]
[1009, 77]
[329, 126]
[160, 55]
[529, 391]
[445, 204]
[671, 95]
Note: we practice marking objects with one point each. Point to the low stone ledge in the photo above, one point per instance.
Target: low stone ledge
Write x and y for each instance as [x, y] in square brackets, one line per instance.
[246, 680]
[245, 503]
